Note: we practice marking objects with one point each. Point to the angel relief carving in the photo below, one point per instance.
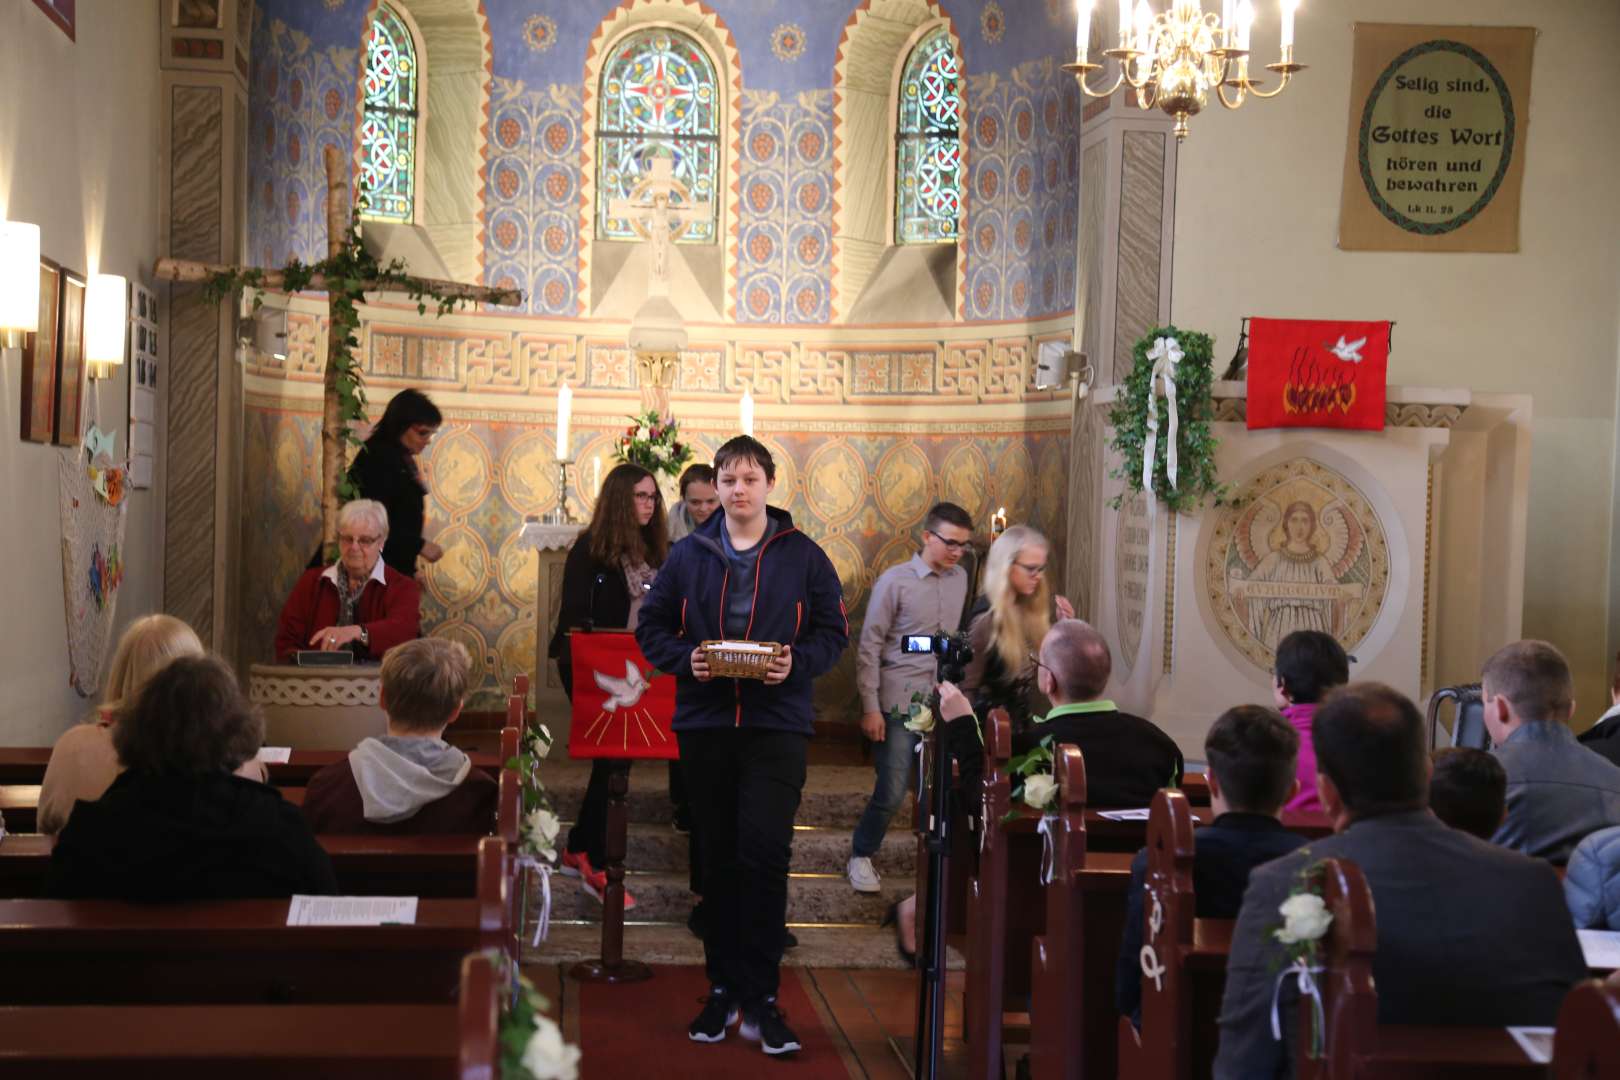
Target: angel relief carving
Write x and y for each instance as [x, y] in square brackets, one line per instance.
[1301, 549]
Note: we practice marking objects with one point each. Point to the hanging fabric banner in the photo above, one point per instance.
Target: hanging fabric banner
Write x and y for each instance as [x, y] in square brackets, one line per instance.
[622, 706]
[1323, 373]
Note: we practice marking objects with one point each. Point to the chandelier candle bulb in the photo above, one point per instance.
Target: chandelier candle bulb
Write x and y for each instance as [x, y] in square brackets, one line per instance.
[1124, 24]
[1082, 29]
[565, 408]
[1144, 35]
[1228, 11]
[746, 417]
[1245, 20]
[1288, 7]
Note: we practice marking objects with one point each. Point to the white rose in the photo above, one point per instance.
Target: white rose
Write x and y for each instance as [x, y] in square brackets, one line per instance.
[1039, 789]
[542, 827]
[921, 721]
[1305, 918]
[547, 1057]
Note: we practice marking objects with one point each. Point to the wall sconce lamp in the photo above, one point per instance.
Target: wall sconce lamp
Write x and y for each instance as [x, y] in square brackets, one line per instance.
[19, 282]
[106, 322]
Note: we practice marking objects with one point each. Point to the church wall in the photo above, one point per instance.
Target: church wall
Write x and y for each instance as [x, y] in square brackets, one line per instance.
[870, 423]
[79, 157]
[1256, 219]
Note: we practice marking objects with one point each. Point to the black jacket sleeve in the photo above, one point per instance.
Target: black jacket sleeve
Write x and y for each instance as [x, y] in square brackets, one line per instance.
[593, 594]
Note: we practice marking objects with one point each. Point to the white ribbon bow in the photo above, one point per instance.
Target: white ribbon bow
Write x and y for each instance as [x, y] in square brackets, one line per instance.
[527, 864]
[1165, 354]
[1149, 956]
[1305, 977]
[1048, 856]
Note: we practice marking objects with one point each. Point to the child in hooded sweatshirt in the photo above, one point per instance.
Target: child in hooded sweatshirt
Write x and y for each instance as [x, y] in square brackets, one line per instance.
[410, 780]
[1309, 664]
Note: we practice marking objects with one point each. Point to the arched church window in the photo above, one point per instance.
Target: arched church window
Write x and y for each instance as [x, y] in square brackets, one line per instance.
[928, 157]
[659, 97]
[388, 126]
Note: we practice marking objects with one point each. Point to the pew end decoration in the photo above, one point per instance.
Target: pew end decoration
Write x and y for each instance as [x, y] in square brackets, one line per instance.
[1305, 921]
[1033, 782]
[540, 825]
[1161, 421]
[531, 1043]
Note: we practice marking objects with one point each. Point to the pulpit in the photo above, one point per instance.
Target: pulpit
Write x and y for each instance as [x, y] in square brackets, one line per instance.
[317, 708]
[1406, 544]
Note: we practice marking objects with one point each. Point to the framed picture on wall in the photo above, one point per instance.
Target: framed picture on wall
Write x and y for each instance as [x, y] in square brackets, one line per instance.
[38, 407]
[70, 361]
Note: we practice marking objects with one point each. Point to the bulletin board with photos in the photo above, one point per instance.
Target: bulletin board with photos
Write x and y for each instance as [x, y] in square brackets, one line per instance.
[144, 332]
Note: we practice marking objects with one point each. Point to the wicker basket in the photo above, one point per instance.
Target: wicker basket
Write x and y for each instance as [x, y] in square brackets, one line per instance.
[740, 659]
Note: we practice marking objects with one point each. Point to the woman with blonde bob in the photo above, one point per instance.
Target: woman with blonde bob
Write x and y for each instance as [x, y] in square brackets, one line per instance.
[1011, 619]
[83, 762]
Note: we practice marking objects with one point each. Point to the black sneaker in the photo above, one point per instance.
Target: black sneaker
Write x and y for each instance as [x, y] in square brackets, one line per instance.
[719, 1012]
[764, 1024]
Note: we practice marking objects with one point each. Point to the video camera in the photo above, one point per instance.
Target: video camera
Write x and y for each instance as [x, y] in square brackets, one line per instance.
[953, 653]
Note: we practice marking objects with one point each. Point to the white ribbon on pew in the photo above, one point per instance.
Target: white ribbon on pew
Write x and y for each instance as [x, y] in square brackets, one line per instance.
[1048, 856]
[1165, 354]
[1151, 968]
[1305, 977]
[542, 925]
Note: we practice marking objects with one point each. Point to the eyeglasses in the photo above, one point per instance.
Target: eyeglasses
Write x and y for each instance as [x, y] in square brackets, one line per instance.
[646, 496]
[358, 541]
[950, 545]
[1032, 571]
[1036, 660]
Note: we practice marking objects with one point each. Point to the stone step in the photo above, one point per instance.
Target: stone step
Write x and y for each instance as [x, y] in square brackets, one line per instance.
[660, 849]
[665, 898]
[661, 943]
[834, 795]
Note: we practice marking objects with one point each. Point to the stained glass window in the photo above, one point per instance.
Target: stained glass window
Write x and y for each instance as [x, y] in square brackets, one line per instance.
[658, 98]
[928, 159]
[388, 125]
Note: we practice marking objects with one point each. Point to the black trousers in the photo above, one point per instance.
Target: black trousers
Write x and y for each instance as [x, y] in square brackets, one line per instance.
[744, 785]
[589, 833]
[683, 810]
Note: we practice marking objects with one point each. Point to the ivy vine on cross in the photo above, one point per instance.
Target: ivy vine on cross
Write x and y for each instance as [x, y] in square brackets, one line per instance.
[347, 273]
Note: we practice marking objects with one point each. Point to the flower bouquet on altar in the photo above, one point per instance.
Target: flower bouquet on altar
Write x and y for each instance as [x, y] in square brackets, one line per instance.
[652, 442]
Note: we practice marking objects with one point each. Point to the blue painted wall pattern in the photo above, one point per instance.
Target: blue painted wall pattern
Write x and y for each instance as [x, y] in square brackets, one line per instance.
[1022, 127]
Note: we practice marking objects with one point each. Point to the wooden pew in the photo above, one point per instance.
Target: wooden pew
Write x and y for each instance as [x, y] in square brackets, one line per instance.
[382, 1041]
[987, 910]
[26, 765]
[1179, 1010]
[1587, 1044]
[242, 951]
[1356, 1045]
[19, 805]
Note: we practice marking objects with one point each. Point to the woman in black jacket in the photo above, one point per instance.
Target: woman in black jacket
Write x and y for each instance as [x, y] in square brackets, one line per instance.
[386, 470]
[608, 572]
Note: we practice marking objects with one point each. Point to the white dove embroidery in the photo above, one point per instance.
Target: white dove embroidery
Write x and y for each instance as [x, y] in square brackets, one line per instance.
[1348, 351]
[622, 693]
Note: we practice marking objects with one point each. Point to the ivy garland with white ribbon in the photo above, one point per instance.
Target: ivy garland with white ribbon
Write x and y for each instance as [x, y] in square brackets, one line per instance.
[1179, 468]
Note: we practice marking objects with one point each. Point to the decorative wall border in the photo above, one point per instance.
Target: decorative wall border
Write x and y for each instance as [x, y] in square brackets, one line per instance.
[686, 15]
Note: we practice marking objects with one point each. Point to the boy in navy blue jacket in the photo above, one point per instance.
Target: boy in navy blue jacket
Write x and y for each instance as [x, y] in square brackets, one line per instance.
[746, 574]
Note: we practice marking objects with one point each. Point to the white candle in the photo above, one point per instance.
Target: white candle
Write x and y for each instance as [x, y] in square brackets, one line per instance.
[1245, 19]
[1124, 23]
[1082, 29]
[1288, 7]
[1228, 12]
[1144, 29]
[746, 419]
[565, 406]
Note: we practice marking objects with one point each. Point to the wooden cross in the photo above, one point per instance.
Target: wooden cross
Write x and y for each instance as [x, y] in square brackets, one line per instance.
[333, 457]
[650, 212]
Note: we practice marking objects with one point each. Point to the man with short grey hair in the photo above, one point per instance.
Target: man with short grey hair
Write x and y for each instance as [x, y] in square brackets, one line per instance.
[359, 603]
[1558, 791]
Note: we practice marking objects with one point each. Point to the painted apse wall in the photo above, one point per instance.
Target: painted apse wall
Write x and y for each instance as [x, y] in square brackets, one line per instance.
[1258, 192]
[79, 157]
[869, 422]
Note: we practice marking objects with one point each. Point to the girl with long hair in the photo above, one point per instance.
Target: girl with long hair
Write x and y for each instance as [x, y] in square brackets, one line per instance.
[608, 572]
[1013, 616]
[386, 470]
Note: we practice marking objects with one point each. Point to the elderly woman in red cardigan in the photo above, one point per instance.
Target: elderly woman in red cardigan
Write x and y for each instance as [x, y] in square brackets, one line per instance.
[359, 603]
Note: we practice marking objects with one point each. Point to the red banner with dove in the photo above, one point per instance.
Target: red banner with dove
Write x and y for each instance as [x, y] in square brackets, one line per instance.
[1324, 373]
[622, 706]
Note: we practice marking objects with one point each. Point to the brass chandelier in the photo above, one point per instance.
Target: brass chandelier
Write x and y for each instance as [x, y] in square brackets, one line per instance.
[1174, 58]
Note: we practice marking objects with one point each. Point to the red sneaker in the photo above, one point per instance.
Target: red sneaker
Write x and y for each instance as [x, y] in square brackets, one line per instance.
[593, 881]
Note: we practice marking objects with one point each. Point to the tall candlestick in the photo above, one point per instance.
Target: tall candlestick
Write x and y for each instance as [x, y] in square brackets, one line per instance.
[746, 411]
[565, 407]
[1288, 7]
[1082, 29]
